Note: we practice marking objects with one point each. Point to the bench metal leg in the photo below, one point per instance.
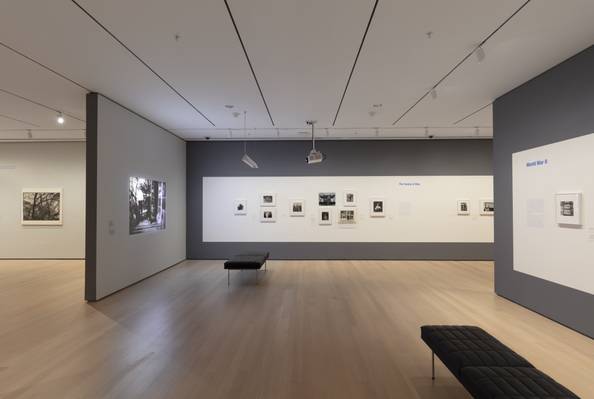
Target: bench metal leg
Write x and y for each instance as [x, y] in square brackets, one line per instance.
[228, 271]
[432, 365]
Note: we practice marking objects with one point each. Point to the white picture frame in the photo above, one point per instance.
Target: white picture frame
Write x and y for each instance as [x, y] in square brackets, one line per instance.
[267, 215]
[30, 217]
[347, 216]
[377, 207]
[268, 199]
[349, 198]
[297, 207]
[487, 207]
[569, 209]
[463, 207]
[325, 217]
[240, 207]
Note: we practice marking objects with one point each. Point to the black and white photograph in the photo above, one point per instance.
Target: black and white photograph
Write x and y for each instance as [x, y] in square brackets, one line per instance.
[42, 207]
[327, 199]
[268, 215]
[347, 216]
[240, 207]
[377, 207]
[350, 198]
[325, 217]
[146, 200]
[569, 208]
[268, 199]
[297, 208]
[487, 207]
[463, 207]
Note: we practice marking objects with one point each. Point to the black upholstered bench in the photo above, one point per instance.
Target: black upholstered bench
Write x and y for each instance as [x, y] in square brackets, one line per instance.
[252, 261]
[486, 367]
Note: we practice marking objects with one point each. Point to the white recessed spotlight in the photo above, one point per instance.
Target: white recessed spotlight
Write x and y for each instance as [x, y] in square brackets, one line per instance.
[60, 118]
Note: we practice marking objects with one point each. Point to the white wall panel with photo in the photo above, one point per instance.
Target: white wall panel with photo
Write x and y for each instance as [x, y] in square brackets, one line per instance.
[553, 205]
[415, 209]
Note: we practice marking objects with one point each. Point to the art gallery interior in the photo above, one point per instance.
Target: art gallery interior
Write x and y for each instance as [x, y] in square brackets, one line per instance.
[297, 199]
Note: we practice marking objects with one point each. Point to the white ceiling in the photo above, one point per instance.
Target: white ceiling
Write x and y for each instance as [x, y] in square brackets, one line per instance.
[301, 51]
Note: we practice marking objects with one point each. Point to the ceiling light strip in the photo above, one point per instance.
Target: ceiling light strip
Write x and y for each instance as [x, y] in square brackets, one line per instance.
[471, 114]
[249, 61]
[355, 63]
[18, 120]
[39, 104]
[114, 37]
[462, 61]
[42, 65]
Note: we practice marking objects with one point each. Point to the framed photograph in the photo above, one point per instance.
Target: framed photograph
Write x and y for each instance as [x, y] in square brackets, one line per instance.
[350, 198]
[297, 207]
[240, 207]
[377, 208]
[146, 202]
[487, 207]
[41, 207]
[463, 207]
[268, 199]
[347, 216]
[325, 217]
[327, 199]
[268, 215]
[569, 208]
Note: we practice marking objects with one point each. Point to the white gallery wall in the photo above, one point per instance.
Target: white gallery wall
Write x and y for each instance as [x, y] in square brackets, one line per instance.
[417, 209]
[42, 166]
[130, 146]
[543, 247]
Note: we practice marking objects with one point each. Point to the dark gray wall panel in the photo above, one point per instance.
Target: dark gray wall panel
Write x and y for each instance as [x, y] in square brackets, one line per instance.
[555, 106]
[345, 158]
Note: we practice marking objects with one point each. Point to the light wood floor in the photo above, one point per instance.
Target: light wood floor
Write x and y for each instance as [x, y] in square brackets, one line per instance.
[307, 330]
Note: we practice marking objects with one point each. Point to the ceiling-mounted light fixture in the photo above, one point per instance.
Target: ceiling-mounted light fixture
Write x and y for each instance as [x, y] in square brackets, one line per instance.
[246, 159]
[60, 118]
[314, 155]
[480, 54]
[433, 93]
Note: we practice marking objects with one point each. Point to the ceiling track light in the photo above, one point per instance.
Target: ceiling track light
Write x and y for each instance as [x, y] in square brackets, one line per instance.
[480, 54]
[60, 118]
[246, 159]
[314, 155]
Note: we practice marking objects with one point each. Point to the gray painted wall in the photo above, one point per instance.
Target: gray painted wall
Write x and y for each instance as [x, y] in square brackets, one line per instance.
[555, 106]
[345, 158]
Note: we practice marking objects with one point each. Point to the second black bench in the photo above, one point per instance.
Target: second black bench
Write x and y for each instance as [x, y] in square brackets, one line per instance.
[251, 261]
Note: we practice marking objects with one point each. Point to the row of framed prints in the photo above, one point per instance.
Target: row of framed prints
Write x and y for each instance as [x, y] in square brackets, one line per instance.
[325, 216]
[486, 207]
[324, 199]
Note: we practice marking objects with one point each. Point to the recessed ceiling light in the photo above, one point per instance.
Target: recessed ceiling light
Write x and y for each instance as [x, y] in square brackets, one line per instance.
[60, 118]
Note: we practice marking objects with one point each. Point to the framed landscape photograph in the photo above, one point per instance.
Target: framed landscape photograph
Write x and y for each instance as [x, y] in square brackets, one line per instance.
[569, 206]
[487, 207]
[325, 217]
[240, 207]
[268, 215]
[146, 201]
[350, 198]
[268, 199]
[41, 207]
[327, 199]
[463, 207]
[297, 208]
[347, 216]
[377, 208]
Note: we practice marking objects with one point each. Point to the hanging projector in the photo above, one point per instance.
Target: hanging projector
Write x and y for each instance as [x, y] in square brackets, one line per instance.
[314, 155]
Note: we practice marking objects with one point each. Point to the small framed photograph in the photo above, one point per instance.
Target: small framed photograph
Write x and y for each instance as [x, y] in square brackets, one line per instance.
[569, 208]
[240, 207]
[268, 215]
[350, 198]
[347, 216]
[325, 217]
[268, 199]
[41, 207]
[327, 199]
[487, 207]
[297, 208]
[377, 208]
[463, 207]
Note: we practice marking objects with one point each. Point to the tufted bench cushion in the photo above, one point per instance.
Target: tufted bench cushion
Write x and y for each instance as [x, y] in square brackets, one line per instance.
[511, 382]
